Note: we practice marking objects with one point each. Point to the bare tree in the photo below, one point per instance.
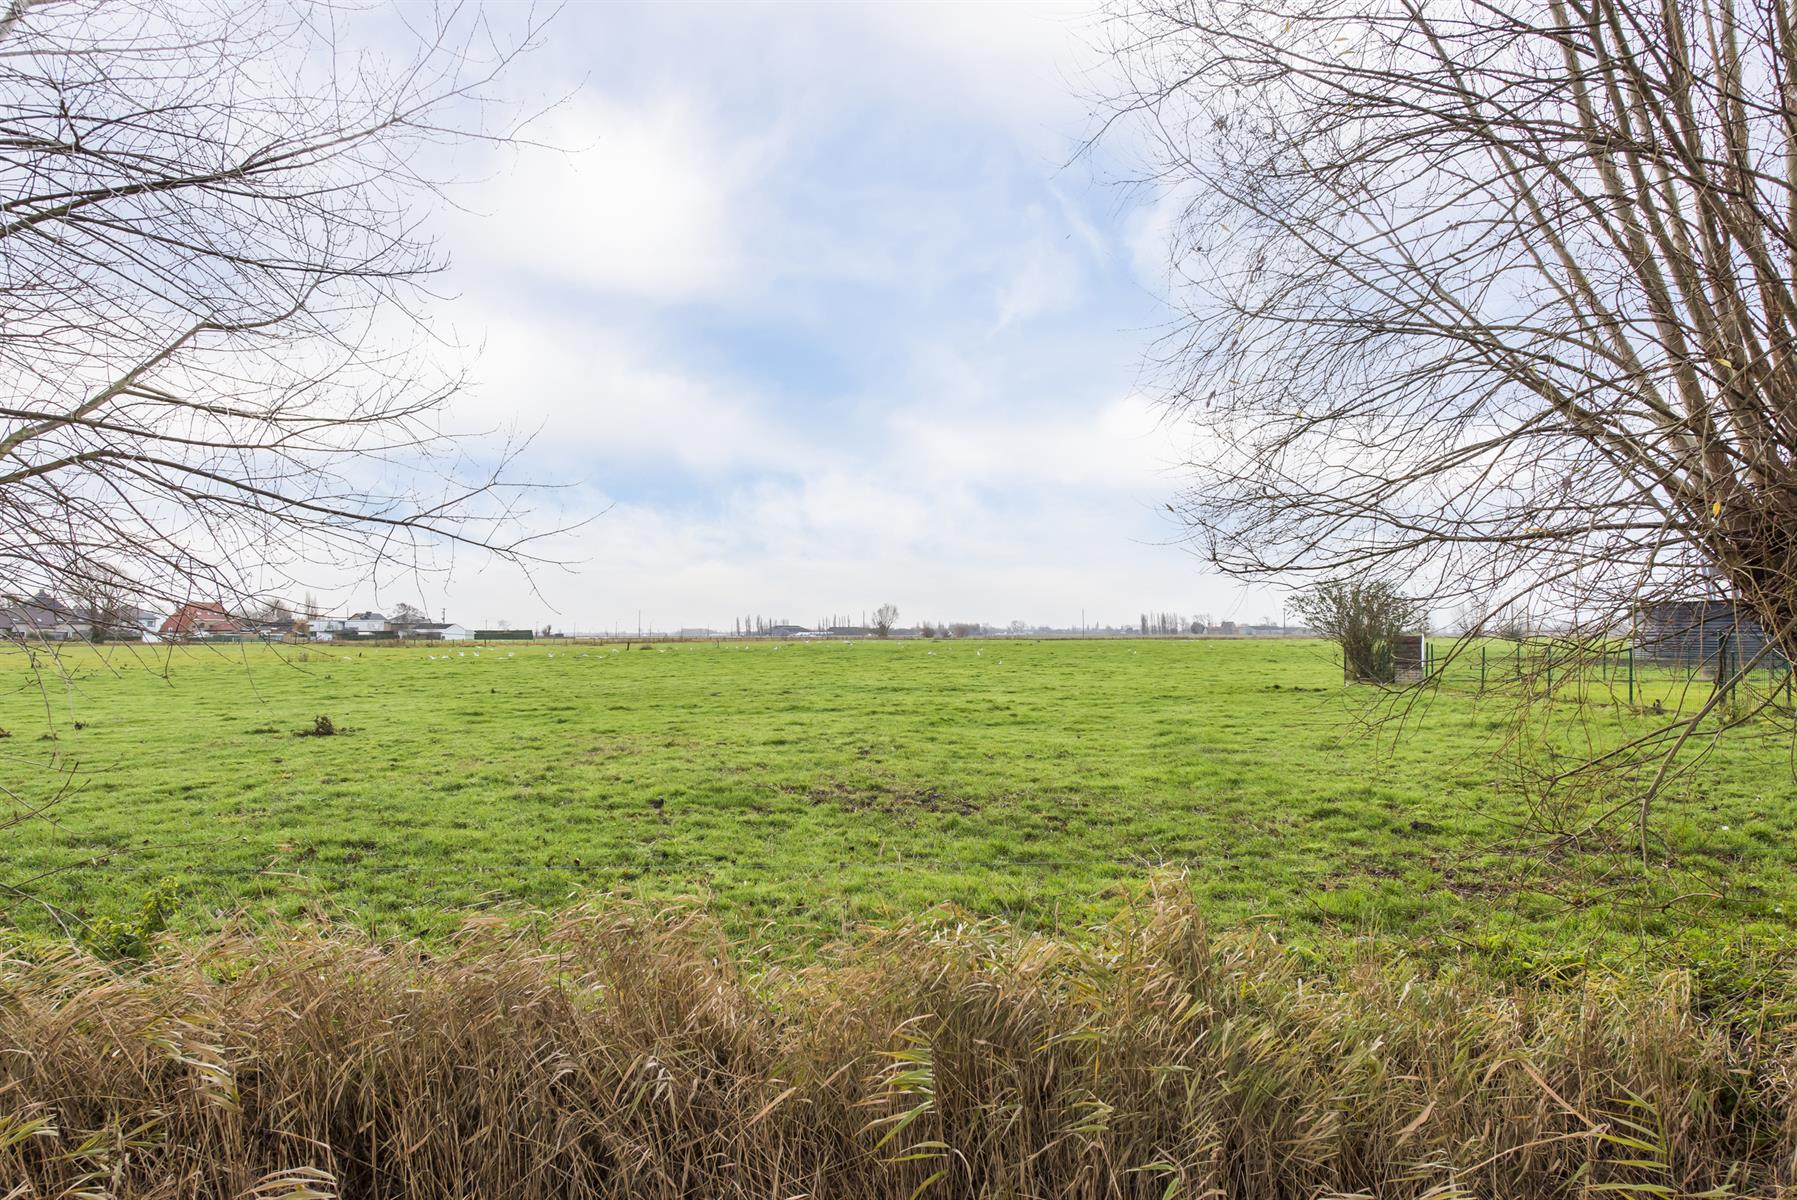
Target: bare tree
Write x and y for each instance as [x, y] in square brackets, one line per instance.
[1497, 299]
[211, 252]
[408, 614]
[885, 617]
[270, 610]
[1504, 295]
[103, 604]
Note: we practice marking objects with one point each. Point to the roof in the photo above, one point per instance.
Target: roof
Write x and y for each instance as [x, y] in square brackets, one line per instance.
[367, 616]
[35, 615]
[202, 615]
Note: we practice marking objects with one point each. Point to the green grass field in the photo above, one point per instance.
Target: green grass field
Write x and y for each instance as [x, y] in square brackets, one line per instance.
[806, 788]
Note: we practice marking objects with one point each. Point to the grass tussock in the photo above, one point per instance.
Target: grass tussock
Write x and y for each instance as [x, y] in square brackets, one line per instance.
[629, 1054]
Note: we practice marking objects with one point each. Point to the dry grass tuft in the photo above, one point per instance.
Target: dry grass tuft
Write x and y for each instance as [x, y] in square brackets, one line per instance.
[627, 1055]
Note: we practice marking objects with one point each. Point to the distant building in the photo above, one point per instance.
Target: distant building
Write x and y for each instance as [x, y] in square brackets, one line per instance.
[206, 619]
[368, 622]
[788, 631]
[1698, 635]
[436, 631]
[41, 618]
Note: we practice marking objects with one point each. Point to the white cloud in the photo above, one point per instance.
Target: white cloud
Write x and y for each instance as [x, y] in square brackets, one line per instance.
[643, 199]
[607, 397]
[1046, 281]
[812, 307]
[1118, 446]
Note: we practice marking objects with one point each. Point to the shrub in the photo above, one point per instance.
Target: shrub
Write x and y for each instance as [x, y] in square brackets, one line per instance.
[129, 937]
[1366, 618]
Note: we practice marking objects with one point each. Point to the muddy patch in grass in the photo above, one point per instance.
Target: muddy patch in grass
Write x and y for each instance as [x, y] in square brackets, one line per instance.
[885, 796]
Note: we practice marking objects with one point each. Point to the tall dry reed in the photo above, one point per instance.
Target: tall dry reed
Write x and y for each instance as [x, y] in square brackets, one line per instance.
[630, 1055]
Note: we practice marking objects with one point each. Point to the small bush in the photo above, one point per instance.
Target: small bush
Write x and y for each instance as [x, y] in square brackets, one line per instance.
[321, 727]
[1366, 618]
[129, 937]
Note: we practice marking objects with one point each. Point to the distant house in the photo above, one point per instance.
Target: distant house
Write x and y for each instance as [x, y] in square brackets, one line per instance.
[1700, 635]
[787, 630]
[206, 619]
[368, 622]
[851, 631]
[41, 618]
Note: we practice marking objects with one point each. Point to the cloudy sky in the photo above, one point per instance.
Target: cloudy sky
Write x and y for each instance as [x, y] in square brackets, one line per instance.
[810, 306]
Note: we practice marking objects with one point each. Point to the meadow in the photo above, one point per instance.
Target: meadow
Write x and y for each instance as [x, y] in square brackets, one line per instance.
[800, 791]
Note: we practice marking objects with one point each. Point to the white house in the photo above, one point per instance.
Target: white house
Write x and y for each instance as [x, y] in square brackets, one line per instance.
[368, 622]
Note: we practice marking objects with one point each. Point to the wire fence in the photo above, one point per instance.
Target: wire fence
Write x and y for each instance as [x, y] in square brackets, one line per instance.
[1717, 674]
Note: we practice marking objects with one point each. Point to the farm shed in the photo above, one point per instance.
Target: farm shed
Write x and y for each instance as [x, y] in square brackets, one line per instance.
[1410, 658]
[436, 631]
[1403, 659]
[1693, 635]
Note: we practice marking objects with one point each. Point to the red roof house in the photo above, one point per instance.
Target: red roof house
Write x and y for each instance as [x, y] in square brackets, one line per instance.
[208, 619]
